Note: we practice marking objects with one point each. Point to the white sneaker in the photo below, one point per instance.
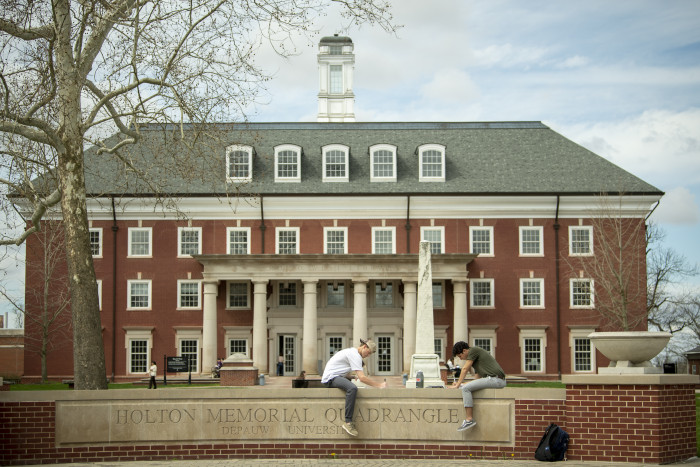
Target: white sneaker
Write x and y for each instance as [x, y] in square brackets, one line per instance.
[466, 424]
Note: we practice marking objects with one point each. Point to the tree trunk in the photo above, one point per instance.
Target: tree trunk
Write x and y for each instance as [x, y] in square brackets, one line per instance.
[88, 350]
[89, 370]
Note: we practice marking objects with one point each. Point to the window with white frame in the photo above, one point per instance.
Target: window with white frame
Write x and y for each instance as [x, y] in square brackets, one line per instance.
[287, 241]
[432, 163]
[485, 343]
[481, 240]
[436, 237]
[484, 337]
[438, 294]
[189, 349]
[140, 241]
[335, 294]
[238, 345]
[99, 292]
[335, 163]
[238, 240]
[335, 79]
[581, 240]
[238, 295]
[189, 241]
[96, 242]
[288, 163]
[440, 348]
[287, 294]
[138, 355]
[138, 344]
[481, 295]
[189, 294]
[581, 295]
[383, 240]
[239, 163]
[582, 354]
[335, 240]
[531, 241]
[532, 354]
[531, 293]
[382, 163]
[383, 294]
[138, 294]
[533, 342]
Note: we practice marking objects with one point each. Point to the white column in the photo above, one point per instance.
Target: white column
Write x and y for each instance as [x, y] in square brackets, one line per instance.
[460, 330]
[310, 346]
[409, 323]
[209, 327]
[359, 317]
[260, 360]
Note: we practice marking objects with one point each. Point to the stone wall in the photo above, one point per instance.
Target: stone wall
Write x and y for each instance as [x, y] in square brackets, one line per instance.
[211, 423]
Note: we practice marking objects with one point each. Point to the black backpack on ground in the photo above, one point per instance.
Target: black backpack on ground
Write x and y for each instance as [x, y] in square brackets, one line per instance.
[553, 444]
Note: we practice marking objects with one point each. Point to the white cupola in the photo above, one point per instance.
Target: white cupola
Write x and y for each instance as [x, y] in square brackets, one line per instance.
[336, 65]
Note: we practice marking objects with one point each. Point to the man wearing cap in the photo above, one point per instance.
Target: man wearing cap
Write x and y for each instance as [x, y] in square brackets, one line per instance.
[335, 375]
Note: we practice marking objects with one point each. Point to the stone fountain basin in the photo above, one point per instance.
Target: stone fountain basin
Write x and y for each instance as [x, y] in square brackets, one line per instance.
[634, 346]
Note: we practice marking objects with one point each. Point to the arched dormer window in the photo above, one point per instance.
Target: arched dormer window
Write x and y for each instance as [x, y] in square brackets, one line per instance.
[287, 163]
[239, 163]
[382, 161]
[431, 163]
[335, 163]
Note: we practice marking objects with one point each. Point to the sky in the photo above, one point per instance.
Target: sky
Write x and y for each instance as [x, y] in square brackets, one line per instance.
[621, 78]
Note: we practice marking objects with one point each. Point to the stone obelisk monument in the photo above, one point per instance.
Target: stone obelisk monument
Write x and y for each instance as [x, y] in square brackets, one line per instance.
[425, 359]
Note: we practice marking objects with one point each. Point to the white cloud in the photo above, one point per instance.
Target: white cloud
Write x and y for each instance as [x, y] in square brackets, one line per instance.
[678, 206]
[450, 86]
[660, 146]
[510, 56]
[576, 61]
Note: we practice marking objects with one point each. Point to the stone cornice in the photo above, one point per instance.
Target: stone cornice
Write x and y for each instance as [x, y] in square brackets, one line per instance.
[315, 267]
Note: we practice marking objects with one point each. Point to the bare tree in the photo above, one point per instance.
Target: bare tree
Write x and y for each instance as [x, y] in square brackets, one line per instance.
[668, 304]
[46, 310]
[74, 71]
[617, 267]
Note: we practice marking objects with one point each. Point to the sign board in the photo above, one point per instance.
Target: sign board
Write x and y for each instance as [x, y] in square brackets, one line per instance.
[177, 364]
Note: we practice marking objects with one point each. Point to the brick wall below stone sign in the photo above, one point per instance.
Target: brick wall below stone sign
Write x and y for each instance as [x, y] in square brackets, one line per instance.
[631, 423]
[27, 433]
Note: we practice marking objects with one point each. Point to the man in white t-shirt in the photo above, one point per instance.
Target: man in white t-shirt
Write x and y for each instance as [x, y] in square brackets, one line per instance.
[335, 376]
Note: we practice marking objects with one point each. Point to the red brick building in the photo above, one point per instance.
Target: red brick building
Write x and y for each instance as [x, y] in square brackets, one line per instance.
[318, 247]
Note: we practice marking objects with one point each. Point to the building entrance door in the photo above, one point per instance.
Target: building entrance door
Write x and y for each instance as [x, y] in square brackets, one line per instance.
[288, 347]
[384, 363]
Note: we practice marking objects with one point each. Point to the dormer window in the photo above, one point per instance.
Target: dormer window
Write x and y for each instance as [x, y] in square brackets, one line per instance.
[382, 163]
[432, 163]
[288, 163]
[239, 163]
[335, 163]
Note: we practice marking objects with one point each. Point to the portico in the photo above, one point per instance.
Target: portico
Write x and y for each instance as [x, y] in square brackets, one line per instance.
[266, 274]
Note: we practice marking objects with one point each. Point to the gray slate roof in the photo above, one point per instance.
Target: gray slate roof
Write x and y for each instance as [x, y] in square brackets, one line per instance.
[495, 158]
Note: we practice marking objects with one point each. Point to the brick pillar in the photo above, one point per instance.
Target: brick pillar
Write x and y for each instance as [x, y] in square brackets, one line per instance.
[631, 418]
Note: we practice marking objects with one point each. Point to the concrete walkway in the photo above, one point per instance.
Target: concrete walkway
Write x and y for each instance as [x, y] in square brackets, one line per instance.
[694, 462]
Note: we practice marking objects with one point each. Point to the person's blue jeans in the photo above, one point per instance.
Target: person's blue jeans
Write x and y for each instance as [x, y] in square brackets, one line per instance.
[478, 384]
[350, 394]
